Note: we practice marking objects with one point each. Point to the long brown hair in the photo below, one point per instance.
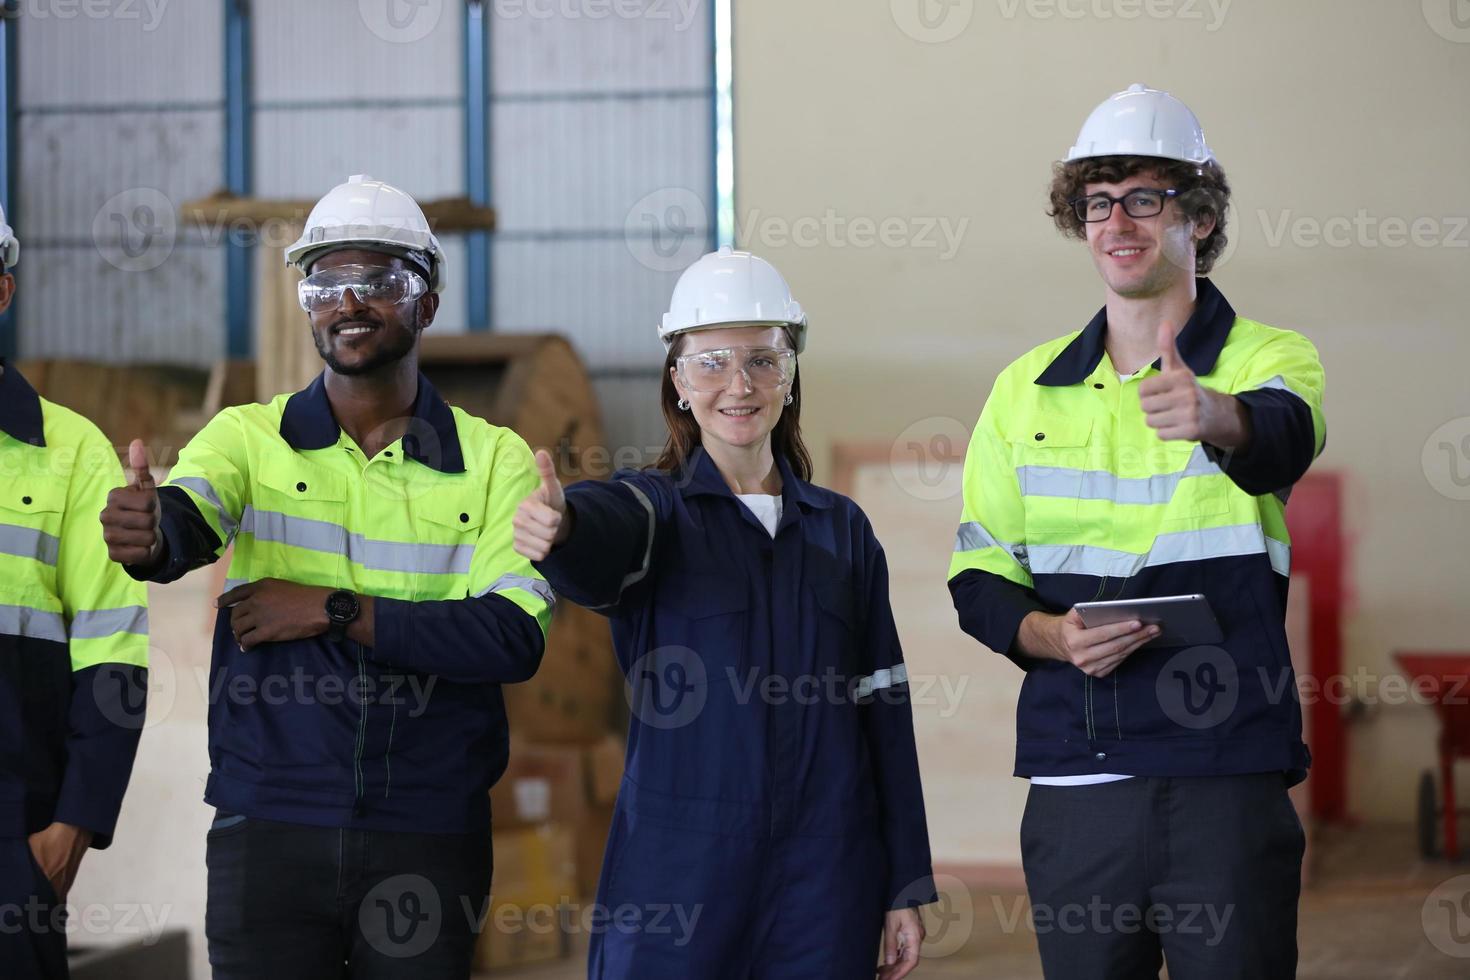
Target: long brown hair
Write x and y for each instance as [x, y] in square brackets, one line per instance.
[684, 432]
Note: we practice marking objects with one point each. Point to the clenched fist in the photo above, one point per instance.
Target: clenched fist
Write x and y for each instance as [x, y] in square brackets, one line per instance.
[130, 519]
[541, 520]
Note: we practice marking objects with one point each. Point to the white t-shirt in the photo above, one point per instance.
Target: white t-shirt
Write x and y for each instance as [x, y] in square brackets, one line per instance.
[765, 507]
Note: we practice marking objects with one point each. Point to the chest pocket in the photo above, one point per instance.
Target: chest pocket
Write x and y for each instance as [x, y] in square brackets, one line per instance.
[30, 529]
[1051, 456]
[710, 616]
[447, 525]
[300, 491]
[302, 507]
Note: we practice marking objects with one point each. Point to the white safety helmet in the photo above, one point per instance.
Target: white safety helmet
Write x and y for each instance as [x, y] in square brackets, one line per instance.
[729, 288]
[9, 244]
[1143, 122]
[374, 215]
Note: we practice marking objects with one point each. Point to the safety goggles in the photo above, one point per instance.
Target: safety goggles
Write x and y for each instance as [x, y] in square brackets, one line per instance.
[713, 370]
[321, 292]
[1141, 202]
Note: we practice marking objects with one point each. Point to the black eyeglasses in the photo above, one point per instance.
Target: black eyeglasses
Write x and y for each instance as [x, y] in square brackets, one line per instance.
[1141, 202]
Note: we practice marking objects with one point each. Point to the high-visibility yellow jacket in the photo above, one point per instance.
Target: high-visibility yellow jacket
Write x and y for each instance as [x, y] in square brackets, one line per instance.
[73, 626]
[408, 734]
[1069, 496]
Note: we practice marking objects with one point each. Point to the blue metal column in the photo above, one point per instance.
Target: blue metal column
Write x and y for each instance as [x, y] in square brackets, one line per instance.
[9, 21]
[722, 159]
[238, 299]
[477, 158]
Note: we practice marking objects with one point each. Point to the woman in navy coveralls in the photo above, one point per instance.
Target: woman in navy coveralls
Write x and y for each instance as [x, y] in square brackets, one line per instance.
[770, 823]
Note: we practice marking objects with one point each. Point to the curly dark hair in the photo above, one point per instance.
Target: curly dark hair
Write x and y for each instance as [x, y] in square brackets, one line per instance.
[1202, 191]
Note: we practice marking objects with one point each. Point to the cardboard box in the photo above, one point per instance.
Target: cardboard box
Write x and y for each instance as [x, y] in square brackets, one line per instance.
[577, 694]
[541, 783]
[591, 845]
[605, 769]
[531, 893]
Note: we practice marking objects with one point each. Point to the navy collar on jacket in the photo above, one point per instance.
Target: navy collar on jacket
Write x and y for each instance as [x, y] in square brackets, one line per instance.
[20, 408]
[701, 476]
[307, 423]
[1200, 342]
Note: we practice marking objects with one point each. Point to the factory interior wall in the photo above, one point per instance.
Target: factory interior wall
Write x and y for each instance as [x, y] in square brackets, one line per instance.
[894, 166]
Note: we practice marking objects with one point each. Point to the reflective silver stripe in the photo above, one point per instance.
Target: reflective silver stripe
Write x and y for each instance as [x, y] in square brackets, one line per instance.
[333, 539]
[535, 586]
[33, 623]
[27, 542]
[1176, 546]
[1280, 553]
[94, 624]
[1054, 481]
[632, 578]
[235, 583]
[878, 680]
[202, 488]
[972, 536]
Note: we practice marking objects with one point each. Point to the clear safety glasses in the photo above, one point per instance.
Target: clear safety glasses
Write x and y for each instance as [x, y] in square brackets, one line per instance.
[321, 292]
[713, 370]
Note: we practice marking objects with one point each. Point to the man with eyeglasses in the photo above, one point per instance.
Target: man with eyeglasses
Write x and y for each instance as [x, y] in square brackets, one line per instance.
[374, 607]
[1148, 455]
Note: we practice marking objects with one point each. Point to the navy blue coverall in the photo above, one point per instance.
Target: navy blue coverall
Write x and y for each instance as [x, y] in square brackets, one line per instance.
[771, 811]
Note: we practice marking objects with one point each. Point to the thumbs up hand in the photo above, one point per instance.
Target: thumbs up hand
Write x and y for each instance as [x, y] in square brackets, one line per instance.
[130, 519]
[139, 475]
[540, 522]
[1177, 406]
[1172, 399]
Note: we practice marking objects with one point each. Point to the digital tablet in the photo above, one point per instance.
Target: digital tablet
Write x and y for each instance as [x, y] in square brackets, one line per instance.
[1186, 620]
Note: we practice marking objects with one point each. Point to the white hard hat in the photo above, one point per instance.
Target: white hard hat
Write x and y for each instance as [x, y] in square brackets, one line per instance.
[374, 215]
[1143, 122]
[729, 288]
[9, 244]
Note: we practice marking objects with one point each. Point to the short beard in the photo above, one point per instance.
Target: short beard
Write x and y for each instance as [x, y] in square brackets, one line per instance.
[388, 354]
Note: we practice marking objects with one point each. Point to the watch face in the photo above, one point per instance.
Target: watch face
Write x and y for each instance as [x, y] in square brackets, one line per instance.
[342, 606]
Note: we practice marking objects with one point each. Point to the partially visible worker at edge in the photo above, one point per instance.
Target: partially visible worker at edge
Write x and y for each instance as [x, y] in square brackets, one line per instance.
[373, 579]
[73, 662]
[772, 784]
[1149, 454]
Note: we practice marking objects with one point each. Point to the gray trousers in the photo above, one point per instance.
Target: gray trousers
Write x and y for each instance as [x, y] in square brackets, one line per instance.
[1201, 872]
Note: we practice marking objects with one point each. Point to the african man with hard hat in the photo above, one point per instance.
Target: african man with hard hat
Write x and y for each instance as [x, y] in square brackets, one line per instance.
[374, 607]
[1148, 456]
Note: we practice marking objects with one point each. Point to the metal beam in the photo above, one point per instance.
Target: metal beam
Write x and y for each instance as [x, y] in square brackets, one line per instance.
[239, 339]
[722, 203]
[477, 159]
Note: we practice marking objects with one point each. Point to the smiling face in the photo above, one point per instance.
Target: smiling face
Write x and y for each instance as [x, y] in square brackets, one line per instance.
[359, 338]
[739, 415]
[1143, 257]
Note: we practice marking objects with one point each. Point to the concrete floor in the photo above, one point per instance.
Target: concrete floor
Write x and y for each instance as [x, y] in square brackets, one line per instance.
[1374, 912]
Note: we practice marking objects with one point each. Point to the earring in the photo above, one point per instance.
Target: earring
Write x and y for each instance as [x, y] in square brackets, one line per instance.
[789, 399]
[683, 405]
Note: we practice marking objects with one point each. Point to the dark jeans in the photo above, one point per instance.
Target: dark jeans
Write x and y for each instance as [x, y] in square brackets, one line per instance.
[1203, 873]
[290, 902]
[32, 922]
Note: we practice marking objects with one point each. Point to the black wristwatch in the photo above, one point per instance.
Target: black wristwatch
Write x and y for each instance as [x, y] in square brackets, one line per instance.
[342, 609]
